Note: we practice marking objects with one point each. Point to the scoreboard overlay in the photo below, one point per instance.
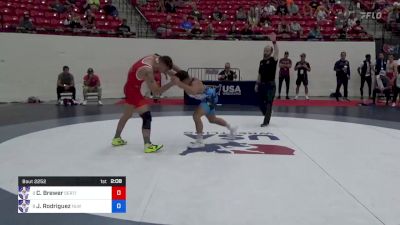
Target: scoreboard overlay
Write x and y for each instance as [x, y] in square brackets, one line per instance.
[71, 194]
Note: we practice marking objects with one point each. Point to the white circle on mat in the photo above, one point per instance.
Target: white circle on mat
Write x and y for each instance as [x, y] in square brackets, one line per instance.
[296, 171]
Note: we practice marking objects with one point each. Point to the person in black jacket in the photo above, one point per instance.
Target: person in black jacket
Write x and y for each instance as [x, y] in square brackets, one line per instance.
[342, 68]
[365, 70]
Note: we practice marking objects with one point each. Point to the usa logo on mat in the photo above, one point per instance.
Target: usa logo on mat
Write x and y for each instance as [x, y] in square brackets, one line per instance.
[242, 143]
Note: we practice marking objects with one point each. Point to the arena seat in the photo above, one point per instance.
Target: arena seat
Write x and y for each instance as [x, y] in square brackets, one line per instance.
[229, 7]
[44, 18]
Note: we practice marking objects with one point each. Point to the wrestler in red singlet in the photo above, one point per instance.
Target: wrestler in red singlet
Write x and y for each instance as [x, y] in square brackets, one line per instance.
[134, 83]
[144, 70]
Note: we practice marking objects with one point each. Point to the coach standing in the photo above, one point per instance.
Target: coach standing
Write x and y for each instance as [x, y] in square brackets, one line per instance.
[342, 68]
[265, 86]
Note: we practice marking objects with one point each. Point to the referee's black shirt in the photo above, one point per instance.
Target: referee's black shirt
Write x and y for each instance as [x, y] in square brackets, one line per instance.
[267, 70]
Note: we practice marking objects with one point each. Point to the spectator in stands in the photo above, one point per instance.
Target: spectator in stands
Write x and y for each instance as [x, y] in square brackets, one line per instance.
[307, 10]
[124, 30]
[110, 10]
[170, 6]
[92, 5]
[269, 9]
[195, 13]
[233, 30]
[265, 21]
[164, 30]
[210, 31]
[196, 31]
[293, 8]
[141, 2]
[253, 17]
[342, 33]
[328, 3]
[218, 15]
[321, 13]
[91, 84]
[73, 21]
[296, 29]
[315, 33]
[379, 5]
[70, 3]
[247, 30]
[161, 6]
[283, 27]
[358, 29]
[186, 24]
[314, 4]
[264, 24]
[282, 9]
[227, 74]
[340, 21]
[241, 14]
[25, 24]
[394, 14]
[65, 83]
[58, 7]
[90, 21]
[181, 3]
[382, 86]
[342, 68]
[302, 67]
[352, 20]
[366, 70]
[259, 9]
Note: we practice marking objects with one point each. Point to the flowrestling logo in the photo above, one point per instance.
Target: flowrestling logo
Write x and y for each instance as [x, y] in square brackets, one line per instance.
[371, 15]
[229, 90]
[242, 143]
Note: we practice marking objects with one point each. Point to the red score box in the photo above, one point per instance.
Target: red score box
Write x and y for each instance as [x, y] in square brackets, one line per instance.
[119, 193]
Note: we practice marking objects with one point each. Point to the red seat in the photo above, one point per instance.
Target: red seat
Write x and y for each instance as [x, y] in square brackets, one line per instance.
[6, 11]
[40, 2]
[51, 15]
[7, 26]
[42, 22]
[35, 13]
[21, 12]
[103, 25]
[11, 19]
[55, 23]
[115, 24]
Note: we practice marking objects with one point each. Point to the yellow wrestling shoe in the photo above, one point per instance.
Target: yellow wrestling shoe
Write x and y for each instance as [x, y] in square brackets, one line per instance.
[150, 148]
[118, 142]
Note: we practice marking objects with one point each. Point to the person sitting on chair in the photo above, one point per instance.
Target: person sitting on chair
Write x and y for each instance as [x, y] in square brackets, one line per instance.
[227, 73]
[383, 86]
[65, 84]
[91, 84]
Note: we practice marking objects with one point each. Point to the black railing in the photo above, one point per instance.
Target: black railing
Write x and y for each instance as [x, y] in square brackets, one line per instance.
[210, 74]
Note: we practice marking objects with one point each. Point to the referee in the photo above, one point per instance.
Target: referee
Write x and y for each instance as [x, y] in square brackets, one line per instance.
[265, 86]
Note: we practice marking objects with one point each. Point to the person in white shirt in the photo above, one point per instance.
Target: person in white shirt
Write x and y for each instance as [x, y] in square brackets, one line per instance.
[396, 86]
[270, 9]
[352, 20]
